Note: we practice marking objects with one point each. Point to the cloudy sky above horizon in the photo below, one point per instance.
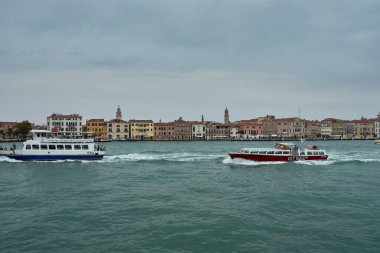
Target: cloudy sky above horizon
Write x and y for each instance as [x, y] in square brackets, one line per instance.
[170, 58]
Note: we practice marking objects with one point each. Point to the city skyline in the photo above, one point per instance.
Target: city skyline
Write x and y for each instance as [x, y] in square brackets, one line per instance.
[162, 60]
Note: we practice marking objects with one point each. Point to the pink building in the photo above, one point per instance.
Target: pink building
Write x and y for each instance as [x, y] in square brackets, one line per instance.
[164, 131]
[249, 129]
[6, 126]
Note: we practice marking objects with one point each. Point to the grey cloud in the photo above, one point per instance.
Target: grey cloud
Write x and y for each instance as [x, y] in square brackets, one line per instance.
[279, 47]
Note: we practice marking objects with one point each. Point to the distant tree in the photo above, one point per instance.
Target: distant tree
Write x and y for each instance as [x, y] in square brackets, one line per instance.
[10, 132]
[23, 128]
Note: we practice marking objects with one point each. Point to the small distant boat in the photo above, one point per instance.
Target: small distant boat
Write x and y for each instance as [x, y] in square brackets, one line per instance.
[281, 152]
[377, 141]
[45, 148]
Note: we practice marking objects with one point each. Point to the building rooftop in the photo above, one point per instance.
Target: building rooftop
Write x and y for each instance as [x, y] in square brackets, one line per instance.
[64, 116]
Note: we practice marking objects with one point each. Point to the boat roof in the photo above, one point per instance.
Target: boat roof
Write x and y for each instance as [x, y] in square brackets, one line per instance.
[40, 131]
[288, 145]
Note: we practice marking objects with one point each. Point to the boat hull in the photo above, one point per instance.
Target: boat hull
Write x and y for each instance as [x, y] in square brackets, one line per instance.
[276, 158]
[54, 157]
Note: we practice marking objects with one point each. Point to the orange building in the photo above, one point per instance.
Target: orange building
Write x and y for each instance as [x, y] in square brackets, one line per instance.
[98, 127]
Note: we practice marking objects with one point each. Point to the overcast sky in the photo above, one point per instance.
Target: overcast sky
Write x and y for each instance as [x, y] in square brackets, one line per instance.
[165, 59]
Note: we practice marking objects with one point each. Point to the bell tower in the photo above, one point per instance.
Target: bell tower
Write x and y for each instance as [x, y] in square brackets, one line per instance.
[118, 113]
[226, 117]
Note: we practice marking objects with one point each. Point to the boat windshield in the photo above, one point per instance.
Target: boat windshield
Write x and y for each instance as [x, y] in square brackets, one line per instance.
[284, 146]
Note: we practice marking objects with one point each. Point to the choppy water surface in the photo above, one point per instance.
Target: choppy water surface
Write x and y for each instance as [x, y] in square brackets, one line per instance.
[189, 197]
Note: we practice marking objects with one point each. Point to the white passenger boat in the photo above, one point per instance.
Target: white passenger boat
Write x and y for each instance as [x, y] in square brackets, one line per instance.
[45, 148]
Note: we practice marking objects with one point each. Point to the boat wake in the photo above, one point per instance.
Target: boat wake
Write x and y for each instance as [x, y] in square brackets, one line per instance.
[137, 157]
[169, 157]
[9, 160]
[238, 161]
[333, 159]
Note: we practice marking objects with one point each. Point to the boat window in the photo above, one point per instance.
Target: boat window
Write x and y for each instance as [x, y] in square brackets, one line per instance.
[262, 152]
[286, 152]
[52, 147]
[270, 152]
[321, 153]
[35, 146]
[68, 147]
[302, 153]
[245, 151]
[85, 147]
[60, 147]
[309, 153]
[43, 147]
[77, 147]
[278, 152]
[27, 147]
[254, 152]
[315, 153]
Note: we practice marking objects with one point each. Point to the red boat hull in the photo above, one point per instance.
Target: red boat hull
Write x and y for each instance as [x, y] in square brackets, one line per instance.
[276, 158]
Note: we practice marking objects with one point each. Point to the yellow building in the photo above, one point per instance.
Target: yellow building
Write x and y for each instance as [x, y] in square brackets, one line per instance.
[98, 127]
[364, 129]
[141, 129]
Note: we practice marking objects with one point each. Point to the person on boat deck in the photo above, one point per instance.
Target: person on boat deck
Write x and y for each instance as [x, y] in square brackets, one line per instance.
[295, 150]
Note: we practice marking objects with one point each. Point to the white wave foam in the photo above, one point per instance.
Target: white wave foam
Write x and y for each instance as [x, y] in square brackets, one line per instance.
[176, 157]
[356, 157]
[316, 162]
[9, 160]
[238, 161]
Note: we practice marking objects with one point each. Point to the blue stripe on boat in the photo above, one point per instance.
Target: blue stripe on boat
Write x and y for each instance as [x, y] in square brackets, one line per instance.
[55, 157]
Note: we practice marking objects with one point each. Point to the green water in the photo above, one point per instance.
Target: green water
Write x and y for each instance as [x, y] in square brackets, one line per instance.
[189, 197]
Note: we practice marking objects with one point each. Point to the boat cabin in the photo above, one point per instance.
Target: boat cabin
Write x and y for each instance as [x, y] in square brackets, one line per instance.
[40, 134]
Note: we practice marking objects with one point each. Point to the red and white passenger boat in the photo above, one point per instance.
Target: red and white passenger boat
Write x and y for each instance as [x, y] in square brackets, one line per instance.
[281, 152]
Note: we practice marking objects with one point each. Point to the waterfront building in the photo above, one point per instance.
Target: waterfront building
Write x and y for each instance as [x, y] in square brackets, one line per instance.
[248, 129]
[182, 130]
[39, 127]
[377, 126]
[7, 129]
[291, 127]
[217, 131]
[65, 125]
[313, 129]
[327, 128]
[234, 132]
[117, 128]
[339, 129]
[283, 128]
[198, 130]
[97, 128]
[141, 129]
[269, 126]
[350, 130]
[364, 129]
[164, 131]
